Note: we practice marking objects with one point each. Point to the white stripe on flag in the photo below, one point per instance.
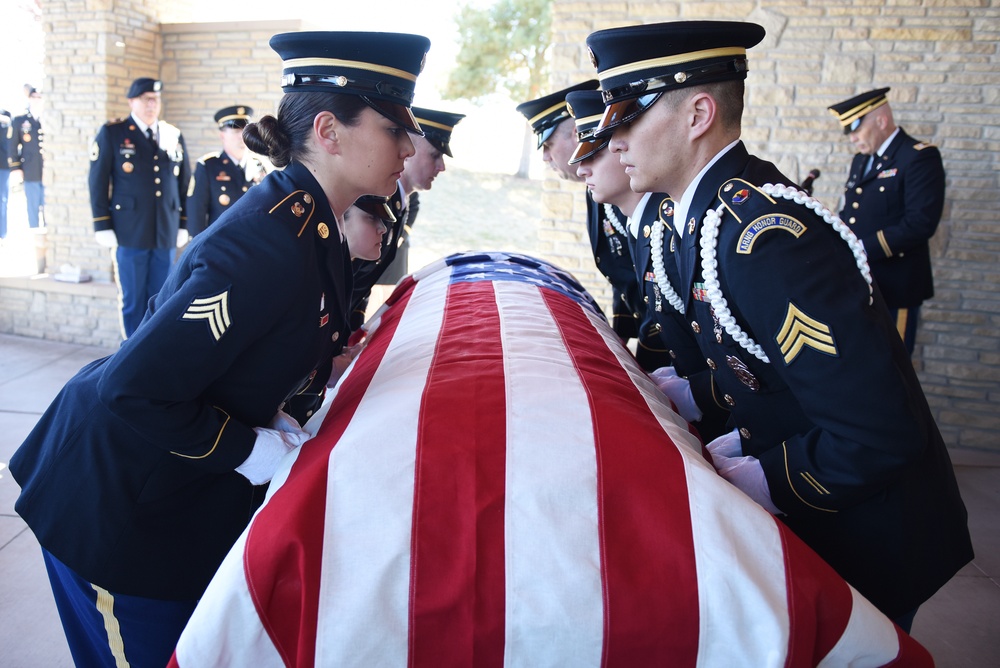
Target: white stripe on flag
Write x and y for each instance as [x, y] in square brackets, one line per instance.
[554, 613]
[364, 594]
[869, 640]
[225, 629]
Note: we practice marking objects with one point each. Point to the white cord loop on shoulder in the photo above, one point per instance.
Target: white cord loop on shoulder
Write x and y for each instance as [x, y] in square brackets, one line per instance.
[710, 265]
[609, 212]
[659, 273]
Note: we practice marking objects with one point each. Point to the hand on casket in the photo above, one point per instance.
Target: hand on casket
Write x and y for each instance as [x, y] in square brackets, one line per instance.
[273, 442]
[343, 360]
[745, 473]
[678, 390]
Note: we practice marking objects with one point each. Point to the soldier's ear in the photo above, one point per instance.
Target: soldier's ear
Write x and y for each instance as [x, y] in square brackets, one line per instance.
[325, 131]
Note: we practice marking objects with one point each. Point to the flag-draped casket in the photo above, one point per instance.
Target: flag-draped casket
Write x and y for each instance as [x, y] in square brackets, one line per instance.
[495, 482]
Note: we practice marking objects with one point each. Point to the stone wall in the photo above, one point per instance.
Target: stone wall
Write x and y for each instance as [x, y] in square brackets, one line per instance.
[94, 49]
[941, 59]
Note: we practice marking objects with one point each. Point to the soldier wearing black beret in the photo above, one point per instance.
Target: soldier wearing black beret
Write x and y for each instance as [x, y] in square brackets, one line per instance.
[892, 201]
[550, 119]
[418, 175]
[139, 176]
[150, 462]
[221, 177]
[830, 428]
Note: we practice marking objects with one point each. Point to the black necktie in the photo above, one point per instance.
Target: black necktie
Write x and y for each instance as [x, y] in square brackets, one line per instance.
[152, 139]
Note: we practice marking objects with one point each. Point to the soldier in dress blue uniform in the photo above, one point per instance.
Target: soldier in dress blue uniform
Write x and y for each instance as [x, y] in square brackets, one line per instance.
[150, 463]
[418, 175]
[221, 177]
[552, 123]
[27, 155]
[6, 135]
[893, 202]
[831, 430]
[666, 346]
[139, 176]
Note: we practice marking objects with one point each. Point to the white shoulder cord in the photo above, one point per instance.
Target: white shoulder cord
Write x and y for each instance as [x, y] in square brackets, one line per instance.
[615, 221]
[709, 264]
[656, 251]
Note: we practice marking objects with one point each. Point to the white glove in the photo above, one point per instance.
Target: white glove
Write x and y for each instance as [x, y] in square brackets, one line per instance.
[678, 390]
[182, 236]
[744, 473]
[343, 360]
[273, 442]
[106, 238]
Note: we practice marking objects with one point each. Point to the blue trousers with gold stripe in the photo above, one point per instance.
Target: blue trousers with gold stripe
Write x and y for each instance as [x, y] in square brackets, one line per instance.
[906, 325]
[105, 629]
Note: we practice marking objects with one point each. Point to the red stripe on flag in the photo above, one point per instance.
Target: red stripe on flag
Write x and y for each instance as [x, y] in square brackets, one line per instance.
[819, 602]
[283, 558]
[457, 554]
[647, 548]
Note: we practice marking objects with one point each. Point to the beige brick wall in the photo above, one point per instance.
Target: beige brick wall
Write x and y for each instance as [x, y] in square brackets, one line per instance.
[94, 49]
[941, 59]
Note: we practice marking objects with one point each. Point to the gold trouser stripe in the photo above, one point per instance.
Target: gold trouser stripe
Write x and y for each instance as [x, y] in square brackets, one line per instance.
[121, 297]
[106, 606]
[902, 315]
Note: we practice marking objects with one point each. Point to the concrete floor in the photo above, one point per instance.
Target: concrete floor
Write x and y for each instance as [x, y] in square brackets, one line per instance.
[960, 625]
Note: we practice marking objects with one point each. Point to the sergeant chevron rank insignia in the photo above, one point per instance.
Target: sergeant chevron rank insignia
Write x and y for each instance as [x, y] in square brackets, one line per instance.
[214, 310]
[800, 330]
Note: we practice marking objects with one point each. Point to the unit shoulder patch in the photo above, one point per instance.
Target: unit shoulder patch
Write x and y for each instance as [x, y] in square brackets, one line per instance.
[735, 193]
[775, 221]
[799, 331]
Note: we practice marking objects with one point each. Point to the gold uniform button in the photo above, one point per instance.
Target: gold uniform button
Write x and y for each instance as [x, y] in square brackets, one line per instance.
[157, 193]
[336, 335]
[244, 188]
[855, 205]
[858, 190]
[696, 327]
[729, 399]
[309, 413]
[118, 207]
[637, 315]
[156, 168]
[598, 260]
[851, 220]
[673, 355]
[881, 189]
[711, 363]
[745, 433]
[646, 299]
[156, 181]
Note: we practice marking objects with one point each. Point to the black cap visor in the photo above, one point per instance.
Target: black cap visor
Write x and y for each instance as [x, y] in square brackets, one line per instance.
[621, 113]
[587, 148]
[397, 113]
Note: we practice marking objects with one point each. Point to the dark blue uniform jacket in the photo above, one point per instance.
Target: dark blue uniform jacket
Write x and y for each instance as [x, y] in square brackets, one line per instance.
[665, 331]
[836, 416]
[614, 260]
[136, 189]
[218, 183]
[128, 478]
[895, 209]
[26, 147]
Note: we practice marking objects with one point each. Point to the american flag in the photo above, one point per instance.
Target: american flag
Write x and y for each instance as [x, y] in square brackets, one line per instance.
[495, 482]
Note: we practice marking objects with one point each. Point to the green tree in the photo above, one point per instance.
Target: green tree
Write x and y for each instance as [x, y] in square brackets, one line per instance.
[503, 47]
